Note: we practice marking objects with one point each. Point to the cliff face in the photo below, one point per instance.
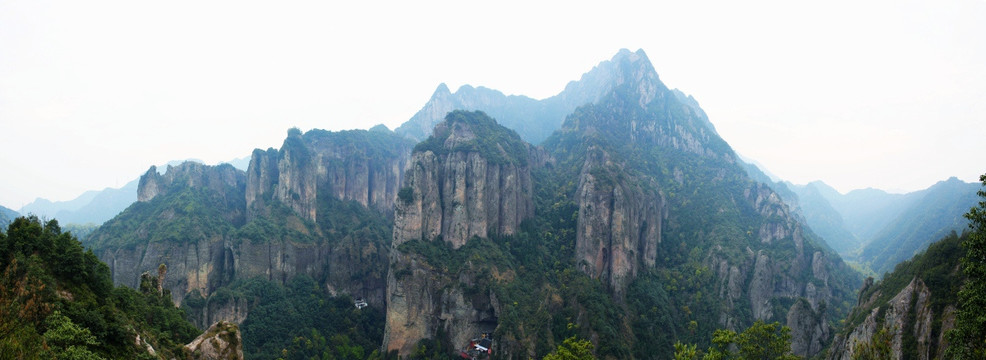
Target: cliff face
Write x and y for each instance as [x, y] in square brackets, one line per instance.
[908, 314]
[459, 192]
[906, 321]
[619, 222]
[313, 208]
[349, 165]
[471, 179]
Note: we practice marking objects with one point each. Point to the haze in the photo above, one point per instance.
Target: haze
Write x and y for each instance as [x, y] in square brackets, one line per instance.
[884, 94]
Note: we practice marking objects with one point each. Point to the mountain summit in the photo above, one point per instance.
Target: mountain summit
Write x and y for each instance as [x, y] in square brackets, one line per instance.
[534, 120]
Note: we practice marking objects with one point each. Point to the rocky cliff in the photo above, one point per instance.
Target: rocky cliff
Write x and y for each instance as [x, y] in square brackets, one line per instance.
[222, 341]
[471, 179]
[351, 165]
[314, 208]
[906, 315]
[619, 222]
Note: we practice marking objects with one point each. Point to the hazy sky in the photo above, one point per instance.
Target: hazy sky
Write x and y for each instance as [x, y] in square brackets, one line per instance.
[885, 94]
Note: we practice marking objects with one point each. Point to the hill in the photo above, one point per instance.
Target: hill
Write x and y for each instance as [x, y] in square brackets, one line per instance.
[58, 301]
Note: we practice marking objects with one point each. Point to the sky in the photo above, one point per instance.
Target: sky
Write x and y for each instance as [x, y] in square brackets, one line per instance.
[882, 94]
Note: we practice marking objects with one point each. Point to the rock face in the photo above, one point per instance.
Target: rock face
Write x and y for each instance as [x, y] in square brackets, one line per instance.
[221, 341]
[459, 192]
[472, 178]
[908, 314]
[336, 164]
[211, 224]
[619, 223]
[909, 321]
[224, 180]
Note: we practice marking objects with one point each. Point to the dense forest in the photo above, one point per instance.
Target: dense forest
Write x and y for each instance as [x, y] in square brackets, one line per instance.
[58, 301]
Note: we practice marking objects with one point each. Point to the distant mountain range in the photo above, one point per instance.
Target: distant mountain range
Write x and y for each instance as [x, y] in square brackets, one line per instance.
[94, 206]
[6, 216]
[875, 228]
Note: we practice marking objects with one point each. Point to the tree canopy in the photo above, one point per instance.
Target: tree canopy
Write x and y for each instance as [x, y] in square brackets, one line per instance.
[968, 338]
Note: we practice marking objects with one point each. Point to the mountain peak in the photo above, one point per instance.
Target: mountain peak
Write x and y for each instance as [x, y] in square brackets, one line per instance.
[442, 89]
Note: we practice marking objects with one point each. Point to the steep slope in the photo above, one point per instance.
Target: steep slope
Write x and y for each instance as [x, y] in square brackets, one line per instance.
[907, 313]
[934, 213]
[91, 207]
[470, 180]
[649, 145]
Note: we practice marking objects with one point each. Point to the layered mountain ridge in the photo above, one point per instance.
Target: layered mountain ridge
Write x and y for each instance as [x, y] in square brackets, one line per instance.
[633, 225]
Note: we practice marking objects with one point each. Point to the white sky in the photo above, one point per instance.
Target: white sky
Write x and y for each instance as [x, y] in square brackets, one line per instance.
[885, 94]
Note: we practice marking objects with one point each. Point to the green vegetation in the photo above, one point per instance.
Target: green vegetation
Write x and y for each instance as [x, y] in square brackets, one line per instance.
[58, 301]
[572, 349]
[179, 216]
[759, 341]
[299, 320]
[497, 144]
[968, 339]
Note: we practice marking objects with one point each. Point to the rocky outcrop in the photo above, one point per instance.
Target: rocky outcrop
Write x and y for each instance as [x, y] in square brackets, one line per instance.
[471, 179]
[223, 180]
[907, 315]
[766, 280]
[456, 192]
[222, 341]
[423, 300]
[619, 222]
[350, 165]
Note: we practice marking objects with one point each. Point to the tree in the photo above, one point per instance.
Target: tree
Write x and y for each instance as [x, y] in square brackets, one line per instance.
[572, 349]
[968, 338]
[759, 341]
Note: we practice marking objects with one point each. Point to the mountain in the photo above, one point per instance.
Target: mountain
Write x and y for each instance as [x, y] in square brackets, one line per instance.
[641, 207]
[934, 213]
[254, 247]
[865, 211]
[906, 314]
[877, 229]
[91, 207]
[823, 218]
[7, 215]
[534, 120]
[633, 225]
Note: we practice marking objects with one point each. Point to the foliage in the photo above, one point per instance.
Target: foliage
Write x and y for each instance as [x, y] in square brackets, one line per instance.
[179, 216]
[968, 338]
[299, 320]
[759, 341]
[572, 349]
[57, 301]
